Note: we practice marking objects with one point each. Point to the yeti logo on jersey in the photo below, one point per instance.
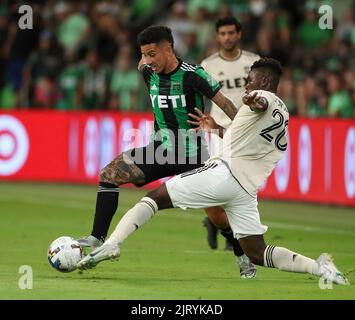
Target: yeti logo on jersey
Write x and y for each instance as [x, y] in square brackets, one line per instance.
[162, 101]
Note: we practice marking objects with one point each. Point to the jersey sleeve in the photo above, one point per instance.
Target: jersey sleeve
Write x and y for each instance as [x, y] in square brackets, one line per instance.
[204, 83]
[270, 98]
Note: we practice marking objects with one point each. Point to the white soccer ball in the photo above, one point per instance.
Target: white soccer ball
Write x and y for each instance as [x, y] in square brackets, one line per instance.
[64, 254]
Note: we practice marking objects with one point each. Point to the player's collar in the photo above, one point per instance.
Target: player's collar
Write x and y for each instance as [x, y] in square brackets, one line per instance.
[176, 69]
[232, 59]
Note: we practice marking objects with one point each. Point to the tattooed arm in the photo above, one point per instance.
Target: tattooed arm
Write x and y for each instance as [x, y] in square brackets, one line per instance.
[122, 170]
[225, 104]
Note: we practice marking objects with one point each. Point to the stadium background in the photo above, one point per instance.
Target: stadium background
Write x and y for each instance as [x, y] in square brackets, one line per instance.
[83, 55]
[71, 98]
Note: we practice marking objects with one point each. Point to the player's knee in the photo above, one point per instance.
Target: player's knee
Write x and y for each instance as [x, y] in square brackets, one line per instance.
[218, 217]
[107, 176]
[161, 197]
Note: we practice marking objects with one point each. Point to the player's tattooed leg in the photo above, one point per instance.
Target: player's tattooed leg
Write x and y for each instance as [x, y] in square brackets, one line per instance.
[122, 170]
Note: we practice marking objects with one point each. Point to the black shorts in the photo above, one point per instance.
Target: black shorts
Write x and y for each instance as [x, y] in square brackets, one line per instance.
[157, 162]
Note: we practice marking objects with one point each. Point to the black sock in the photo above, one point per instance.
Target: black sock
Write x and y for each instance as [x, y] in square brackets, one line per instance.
[228, 234]
[106, 206]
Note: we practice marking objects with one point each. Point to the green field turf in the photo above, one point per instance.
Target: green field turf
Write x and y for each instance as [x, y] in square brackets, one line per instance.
[169, 257]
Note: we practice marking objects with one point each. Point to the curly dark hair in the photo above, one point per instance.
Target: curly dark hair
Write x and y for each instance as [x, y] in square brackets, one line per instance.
[155, 34]
[270, 64]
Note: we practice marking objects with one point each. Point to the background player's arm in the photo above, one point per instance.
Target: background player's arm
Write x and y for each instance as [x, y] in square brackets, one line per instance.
[205, 122]
[210, 88]
[226, 104]
[256, 103]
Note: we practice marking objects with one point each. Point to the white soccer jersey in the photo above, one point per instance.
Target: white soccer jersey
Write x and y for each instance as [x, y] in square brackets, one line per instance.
[232, 75]
[255, 142]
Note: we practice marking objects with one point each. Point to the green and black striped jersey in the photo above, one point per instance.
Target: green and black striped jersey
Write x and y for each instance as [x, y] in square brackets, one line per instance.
[173, 96]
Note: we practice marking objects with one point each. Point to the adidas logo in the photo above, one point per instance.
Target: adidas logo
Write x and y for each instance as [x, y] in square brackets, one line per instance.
[153, 87]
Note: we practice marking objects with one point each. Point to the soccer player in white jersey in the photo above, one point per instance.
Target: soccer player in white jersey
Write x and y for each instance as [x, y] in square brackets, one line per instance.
[230, 67]
[254, 143]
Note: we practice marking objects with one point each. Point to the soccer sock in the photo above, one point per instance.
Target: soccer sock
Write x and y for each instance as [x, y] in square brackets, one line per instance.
[286, 260]
[106, 206]
[136, 217]
[228, 234]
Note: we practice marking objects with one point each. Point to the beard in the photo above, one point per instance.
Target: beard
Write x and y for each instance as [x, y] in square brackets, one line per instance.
[229, 48]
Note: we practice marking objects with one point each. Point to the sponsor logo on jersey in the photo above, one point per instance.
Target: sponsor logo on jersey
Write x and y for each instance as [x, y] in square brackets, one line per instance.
[233, 83]
[176, 86]
[163, 101]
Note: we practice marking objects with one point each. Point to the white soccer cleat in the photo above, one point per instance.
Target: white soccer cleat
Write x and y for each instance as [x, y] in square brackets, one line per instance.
[328, 270]
[89, 243]
[246, 267]
[105, 252]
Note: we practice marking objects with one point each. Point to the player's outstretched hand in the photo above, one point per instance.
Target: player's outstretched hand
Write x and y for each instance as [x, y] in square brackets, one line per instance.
[202, 121]
[255, 102]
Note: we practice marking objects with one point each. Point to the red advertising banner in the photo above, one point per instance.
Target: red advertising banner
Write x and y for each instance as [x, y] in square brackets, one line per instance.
[319, 165]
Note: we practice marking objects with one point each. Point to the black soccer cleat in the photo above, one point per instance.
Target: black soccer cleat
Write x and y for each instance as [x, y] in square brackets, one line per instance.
[211, 233]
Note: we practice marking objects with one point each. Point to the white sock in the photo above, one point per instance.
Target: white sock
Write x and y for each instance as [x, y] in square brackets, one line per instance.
[286, 260]
[136, 217]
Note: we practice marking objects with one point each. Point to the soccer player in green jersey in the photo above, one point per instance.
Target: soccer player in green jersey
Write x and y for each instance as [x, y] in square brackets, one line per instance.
[175, 88]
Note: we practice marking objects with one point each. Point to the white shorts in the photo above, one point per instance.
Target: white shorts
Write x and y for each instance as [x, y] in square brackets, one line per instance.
[214, 185]
[215, 144]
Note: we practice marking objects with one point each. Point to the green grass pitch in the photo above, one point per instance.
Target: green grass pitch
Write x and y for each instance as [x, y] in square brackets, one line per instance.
[169, 257]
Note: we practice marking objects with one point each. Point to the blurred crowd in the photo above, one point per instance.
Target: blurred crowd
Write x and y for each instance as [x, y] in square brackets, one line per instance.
[83, 54]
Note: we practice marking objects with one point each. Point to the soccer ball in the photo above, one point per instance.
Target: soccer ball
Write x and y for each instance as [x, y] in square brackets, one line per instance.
[64, 254]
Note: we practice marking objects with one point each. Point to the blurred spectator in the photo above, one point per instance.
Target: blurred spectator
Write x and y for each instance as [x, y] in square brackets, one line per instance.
[18, 47]
[108, 29]
[180, 24]
[41, 72]
[68, 82]
[204, 27]
[287, 91]
[209, 5]
[309, 34]
[346, 29]
[339, 104]
[316, 99]
[93, 86]
[73, 27]
[193, 51]
[86, 55]
[124, 84]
